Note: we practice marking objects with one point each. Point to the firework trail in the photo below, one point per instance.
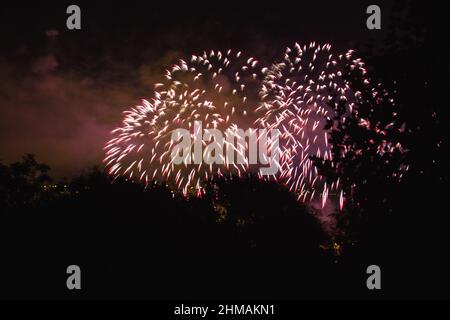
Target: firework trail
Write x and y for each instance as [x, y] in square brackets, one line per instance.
[218, 89]
[301, 95]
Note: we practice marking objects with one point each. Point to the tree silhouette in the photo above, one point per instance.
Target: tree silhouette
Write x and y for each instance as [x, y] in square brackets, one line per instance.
[23, 182]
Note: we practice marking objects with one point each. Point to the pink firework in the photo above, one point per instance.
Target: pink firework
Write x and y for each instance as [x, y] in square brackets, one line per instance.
[217, 89]
[304, 96]
[300, 94]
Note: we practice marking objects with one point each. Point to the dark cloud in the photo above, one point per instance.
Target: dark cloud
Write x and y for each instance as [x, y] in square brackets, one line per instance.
[62, 117]
[44, 64]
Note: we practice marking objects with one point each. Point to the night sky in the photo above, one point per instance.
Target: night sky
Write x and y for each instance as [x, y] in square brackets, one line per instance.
[62, 91]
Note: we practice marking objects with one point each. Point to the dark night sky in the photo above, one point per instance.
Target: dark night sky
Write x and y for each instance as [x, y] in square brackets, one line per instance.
[61, 95]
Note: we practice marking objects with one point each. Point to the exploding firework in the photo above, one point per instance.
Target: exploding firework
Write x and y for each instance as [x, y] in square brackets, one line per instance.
[218, 90]
[302, 96]
[305, 96]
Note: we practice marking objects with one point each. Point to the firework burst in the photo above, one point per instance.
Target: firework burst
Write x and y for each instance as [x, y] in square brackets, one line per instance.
[217, 89]
[305, 95]
[302, 96]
